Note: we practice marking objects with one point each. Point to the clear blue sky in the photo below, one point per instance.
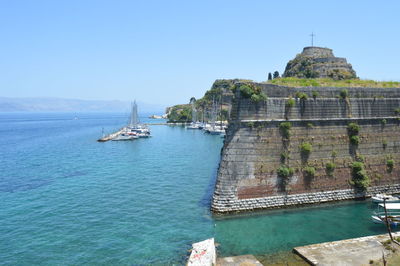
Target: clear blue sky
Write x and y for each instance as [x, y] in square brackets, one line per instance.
[168, 51]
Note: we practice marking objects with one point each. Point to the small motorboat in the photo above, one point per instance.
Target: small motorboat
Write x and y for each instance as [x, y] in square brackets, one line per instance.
[395, 221]
[378, 198]
[392, 212]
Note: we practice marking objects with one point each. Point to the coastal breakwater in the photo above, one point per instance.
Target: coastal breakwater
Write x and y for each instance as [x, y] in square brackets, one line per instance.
[289, 150]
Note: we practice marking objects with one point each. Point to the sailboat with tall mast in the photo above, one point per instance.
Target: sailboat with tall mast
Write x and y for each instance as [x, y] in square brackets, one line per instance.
[134, 126]
[213, 129]
[194, 124]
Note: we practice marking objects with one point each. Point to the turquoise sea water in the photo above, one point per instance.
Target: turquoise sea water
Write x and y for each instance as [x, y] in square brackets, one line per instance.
[66, 199]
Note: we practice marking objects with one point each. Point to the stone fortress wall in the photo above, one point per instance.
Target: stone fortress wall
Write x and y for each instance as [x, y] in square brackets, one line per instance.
[247, 176]
[317, 52]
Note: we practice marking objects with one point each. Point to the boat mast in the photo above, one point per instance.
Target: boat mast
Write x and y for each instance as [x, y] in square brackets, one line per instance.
[194, 112]
[220, 110]
[213, 113]
[134, 120]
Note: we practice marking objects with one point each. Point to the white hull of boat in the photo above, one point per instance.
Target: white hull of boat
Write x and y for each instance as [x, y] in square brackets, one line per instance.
[381, 220]
[389, 198]
[389, 210]
[216, 131]
[122, 138]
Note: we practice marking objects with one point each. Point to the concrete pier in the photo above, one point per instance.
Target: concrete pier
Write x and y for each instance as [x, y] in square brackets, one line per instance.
[111, 136]
[356, 251]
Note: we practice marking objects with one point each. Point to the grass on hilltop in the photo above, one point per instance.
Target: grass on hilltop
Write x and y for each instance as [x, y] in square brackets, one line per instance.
[327, 82]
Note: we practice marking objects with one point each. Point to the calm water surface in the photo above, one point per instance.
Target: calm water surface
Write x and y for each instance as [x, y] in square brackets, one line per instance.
[66, 199]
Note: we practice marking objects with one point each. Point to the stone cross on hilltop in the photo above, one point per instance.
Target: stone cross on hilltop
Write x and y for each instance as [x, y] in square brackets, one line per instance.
[312, 38]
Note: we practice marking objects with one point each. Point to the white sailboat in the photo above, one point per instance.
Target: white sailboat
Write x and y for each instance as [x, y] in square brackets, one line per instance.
[213, 128]
[134, 129]
[194, 124]
[134, 125]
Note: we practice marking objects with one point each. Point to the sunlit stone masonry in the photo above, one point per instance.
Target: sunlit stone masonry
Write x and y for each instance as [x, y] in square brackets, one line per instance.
[308, 144]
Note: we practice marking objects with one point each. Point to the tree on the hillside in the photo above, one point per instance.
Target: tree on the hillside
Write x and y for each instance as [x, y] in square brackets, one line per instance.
[269, 76]
[276, 74]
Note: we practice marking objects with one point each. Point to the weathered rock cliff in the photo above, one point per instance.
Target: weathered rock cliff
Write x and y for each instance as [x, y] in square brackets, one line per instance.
[318, 62]
[220, 92]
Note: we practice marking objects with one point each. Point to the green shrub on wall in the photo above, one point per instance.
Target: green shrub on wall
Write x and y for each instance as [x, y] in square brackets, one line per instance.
[301, 95]
[258, 97]
[306, 148]
[360, 158]
[251, 124]
[390, 165]
[353, 129]
[285, 172]
[284, 156]
[360, 178]
[290, 102]
[355, 140]
[309, 171]
[344, 94]
[246, 91]
[254, 93]
[284, 129]
[357, 166]
[330, 168]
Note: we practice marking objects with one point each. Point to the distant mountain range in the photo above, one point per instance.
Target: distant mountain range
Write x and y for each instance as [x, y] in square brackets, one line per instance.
[72, 105]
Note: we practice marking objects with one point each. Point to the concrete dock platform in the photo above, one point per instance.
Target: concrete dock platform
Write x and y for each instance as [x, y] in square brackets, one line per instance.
[356, 251]
[111, 136]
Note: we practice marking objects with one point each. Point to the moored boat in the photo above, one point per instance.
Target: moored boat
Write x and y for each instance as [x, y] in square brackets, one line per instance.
[213, 128]
[125, 136]
[392, 213]
[216, 131]
[192, 126]
[134, 126]
[378, 198]
[195, 125]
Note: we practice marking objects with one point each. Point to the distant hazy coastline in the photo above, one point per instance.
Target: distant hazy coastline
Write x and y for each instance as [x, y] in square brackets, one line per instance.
[72, 105]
